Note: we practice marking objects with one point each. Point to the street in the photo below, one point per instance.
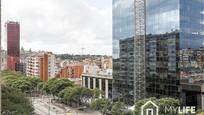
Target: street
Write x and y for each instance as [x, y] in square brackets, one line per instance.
[43, 106]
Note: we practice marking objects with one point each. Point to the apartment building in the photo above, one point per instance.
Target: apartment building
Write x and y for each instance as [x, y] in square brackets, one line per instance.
[41, 65]
[71, 71]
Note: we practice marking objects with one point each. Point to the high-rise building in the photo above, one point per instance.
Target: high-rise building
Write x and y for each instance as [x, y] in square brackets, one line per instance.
[13, 44]
[149, 37]
[41, 65]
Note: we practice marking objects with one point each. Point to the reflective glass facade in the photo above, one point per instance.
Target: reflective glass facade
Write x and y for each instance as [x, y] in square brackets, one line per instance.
[123, 47]
[191, 23]
[162, 16]
[174, 37]
[162, 48]
[162, 72]
[191, 46]
[123, 23]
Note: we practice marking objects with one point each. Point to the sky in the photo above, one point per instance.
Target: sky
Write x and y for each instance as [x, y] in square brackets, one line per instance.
[62, 26]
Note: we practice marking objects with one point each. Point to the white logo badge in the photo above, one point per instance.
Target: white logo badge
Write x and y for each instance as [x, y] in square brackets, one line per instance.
[153, 110]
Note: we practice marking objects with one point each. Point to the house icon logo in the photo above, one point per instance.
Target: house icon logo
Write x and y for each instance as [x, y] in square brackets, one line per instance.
[149, 108]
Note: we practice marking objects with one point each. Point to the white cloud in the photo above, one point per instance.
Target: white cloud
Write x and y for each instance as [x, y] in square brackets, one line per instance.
[62, 26]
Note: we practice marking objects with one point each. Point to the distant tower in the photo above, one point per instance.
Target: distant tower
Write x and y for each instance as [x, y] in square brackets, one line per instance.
[82, 50]
[13, 44]
[22, 50]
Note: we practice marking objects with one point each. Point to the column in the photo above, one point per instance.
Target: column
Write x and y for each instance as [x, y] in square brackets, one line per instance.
[89, 82]
[199, 99]
[94, 83]
[83, 81]
[202, 102]
[100, 87]
[106, 89]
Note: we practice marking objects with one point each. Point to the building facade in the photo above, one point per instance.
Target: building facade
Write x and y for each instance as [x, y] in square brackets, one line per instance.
[43, 67]
[148, 39]
[98, 81]
[13, 44]
[71, 71]
[21, 67]
[32, 65]
[51, 65]
[192, 95]
[3, 59]
[40, 65]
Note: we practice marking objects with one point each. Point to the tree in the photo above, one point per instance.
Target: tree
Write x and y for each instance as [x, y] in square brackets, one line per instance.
[119, 108]
[200, 113]
[54, 86]
[97, 93]
[76, 96]
[48, 85]
[87, 95]
[10, 73]
[17, 80]
[23, 85]
[71, 95]
[14, 89]
[40, 86]
[34, 81]
[59, 85]
[103, 105]
[167, 102]
[14, 102]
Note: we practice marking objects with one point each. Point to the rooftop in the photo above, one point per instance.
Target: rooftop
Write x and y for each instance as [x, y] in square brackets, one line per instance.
[98, 75]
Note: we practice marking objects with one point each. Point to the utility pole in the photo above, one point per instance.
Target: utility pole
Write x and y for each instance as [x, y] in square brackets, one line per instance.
[49, 107]
[82, 53]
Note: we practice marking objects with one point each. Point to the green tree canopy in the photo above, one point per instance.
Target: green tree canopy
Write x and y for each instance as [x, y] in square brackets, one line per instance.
[119, 108]
[77, 95]
[14, 102]
[17, 80]
[107, 107]
[54, 86]
[200, 113]
[103, 105]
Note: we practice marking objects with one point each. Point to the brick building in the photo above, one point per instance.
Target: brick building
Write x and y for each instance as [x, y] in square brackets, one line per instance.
[71, 71]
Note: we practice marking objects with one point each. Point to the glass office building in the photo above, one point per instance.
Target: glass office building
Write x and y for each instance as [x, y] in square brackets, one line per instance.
[123, 48]
[155, 44]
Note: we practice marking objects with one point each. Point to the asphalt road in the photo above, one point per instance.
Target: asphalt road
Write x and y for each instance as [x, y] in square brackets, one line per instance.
[43, 106]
